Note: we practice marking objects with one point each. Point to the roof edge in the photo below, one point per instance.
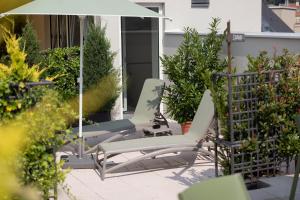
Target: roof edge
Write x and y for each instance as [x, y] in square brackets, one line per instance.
[280, 35]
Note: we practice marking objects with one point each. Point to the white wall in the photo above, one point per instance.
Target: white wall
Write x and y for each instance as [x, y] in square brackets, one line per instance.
[245, 15]
[113, 32]
[254, 43]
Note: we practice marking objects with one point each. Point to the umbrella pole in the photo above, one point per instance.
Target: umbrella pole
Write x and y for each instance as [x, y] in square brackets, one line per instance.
[81, 141]
[82, 160]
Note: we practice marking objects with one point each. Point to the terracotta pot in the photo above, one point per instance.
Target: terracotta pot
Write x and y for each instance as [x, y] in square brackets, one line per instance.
[185, 127]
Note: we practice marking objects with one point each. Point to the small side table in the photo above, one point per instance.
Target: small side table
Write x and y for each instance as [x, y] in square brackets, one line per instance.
[162, 131]
[154, 132]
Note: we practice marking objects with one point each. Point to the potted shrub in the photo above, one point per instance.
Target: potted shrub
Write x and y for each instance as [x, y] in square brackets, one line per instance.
[98, 64]
[189, 72]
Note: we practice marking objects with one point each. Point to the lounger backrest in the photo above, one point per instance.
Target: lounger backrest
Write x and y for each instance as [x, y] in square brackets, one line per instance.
[149, 100]
[225, 188]
[203, 117]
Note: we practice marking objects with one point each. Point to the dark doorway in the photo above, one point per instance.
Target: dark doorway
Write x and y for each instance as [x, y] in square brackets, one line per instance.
[140, 50]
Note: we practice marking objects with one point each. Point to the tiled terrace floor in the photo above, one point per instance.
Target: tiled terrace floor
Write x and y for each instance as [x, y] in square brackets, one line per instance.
[159, 179]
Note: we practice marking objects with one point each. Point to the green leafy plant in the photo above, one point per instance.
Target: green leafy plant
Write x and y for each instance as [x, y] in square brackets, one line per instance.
[37, 160]
[98, 62]
[17, 73]
[278, 99]
[38, 125]
[13, 24]
[219, 92]
[29, 43]
[63, 65]
[190, 69]
[278, 104]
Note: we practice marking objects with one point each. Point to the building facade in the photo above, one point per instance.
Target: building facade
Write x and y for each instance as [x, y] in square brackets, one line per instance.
[288, 14]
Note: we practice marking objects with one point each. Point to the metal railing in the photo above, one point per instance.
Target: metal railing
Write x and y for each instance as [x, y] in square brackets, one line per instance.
[242, 125]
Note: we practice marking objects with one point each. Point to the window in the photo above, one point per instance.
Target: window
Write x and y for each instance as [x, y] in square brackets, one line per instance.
[200, 3]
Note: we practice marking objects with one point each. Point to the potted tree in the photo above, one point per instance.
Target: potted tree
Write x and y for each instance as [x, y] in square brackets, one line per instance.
[30, 45]
[98, 64]
[188, 71]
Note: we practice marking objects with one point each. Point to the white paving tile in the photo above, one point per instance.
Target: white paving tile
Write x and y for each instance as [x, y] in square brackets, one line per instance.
[79, 183]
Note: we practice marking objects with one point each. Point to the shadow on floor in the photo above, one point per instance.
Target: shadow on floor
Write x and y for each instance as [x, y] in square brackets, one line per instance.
[169, 161]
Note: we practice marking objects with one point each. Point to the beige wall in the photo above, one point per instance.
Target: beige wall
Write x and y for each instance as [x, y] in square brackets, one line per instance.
[42, 27]
[287, 15]
[297, 28]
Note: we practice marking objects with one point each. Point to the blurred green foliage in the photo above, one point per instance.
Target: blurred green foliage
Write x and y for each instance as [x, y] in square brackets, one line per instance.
[42, 125]
[27, 161]
[37, 114]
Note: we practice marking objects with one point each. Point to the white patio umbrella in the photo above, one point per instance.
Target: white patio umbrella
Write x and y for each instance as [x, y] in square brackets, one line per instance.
[82, 8]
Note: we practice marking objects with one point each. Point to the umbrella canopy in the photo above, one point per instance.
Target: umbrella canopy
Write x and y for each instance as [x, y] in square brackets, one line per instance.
[11, 4]
[83, 8]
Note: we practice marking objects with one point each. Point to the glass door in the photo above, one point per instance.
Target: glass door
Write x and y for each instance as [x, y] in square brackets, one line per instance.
[140, 52]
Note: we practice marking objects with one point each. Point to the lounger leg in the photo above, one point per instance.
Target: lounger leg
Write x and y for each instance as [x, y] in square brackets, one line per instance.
[206, 152]
[101, 167]
[104, 166]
